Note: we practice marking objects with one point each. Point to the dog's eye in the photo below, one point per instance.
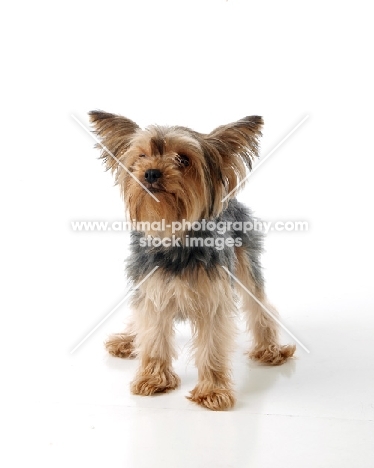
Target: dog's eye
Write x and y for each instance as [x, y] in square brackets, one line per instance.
[141, 155]
[183, 160]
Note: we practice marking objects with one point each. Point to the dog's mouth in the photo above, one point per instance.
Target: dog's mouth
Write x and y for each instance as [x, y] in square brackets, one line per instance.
[155, 188]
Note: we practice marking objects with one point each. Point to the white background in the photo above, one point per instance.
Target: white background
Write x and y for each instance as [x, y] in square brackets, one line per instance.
[199, 64]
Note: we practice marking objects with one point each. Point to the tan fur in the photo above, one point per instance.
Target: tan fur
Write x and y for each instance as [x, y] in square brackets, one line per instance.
[121, 345]
[216, 162]
[157, 303]
[182, 194]
[266, 347]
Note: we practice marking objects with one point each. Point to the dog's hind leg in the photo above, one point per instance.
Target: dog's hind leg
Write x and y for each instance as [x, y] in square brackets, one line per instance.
[260, 316]
[122, 344]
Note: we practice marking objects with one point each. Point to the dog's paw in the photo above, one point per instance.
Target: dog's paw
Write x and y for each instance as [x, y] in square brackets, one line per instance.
[273, 355]
[158, 379]
[212, 397]
[121, 345]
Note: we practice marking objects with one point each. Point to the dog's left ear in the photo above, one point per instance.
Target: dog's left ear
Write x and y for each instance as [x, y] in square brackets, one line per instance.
[238, 139]
[237, 144]
[115, 133]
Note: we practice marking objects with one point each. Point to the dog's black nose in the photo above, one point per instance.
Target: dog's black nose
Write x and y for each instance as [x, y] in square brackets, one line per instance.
[151, 175]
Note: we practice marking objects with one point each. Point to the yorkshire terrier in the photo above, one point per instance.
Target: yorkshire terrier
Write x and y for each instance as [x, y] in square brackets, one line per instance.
[181, 176]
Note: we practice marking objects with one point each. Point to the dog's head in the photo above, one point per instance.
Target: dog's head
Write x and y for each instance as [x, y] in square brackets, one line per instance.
[175, 173]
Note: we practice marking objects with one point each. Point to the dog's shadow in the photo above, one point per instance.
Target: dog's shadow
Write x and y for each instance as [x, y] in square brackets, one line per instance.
[254, 380]
[121, 364]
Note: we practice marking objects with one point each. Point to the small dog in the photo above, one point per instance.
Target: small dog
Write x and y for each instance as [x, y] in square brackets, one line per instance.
[181, 176]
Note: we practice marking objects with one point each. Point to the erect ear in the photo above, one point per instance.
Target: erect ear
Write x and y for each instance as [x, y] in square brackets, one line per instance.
[237, 144]
[115, 133]
[239, 139]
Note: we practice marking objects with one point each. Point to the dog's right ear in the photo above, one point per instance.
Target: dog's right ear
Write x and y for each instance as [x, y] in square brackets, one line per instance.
[115, 133]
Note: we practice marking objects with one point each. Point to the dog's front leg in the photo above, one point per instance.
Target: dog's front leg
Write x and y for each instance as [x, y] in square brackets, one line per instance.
[154, 331]
[214, 332]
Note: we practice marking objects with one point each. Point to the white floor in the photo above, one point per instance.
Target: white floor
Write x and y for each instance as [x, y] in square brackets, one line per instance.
[316, 411]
